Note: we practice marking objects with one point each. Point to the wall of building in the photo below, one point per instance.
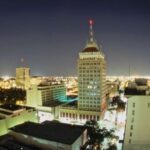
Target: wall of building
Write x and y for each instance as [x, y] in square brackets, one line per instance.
[138, 123]
[43, 95]
[80, 141]
[3, 128]
[15, 119]
[75, 115]
[91, 76]
[45, 144]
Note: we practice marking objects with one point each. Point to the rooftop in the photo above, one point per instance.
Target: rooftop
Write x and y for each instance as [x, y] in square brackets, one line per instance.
[58, 132]
[7, 142]
[2, 117]
[5, 112]
[90, 49]
[13, 107]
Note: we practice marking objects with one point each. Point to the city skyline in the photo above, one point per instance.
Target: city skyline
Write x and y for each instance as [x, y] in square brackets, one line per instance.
[49, 35]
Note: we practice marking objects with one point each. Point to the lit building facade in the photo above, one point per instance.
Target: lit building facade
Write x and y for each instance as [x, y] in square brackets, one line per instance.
[91, 76]
[43, 95]
[12, 115]
[23, 77]
[46, 98]
[91, 85]
[137, 131]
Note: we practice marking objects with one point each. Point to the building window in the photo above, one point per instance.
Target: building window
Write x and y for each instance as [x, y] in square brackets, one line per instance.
[133, 112]
[131, 127]
[133, 104]
[129, 140]
[67, 115]
[130, 133]
[148, 105]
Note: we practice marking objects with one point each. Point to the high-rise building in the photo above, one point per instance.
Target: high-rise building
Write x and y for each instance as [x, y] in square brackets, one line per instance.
[91, 75]
[91, 85]
[23, 77]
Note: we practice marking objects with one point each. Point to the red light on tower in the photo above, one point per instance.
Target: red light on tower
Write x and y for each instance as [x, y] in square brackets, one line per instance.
[91, 22]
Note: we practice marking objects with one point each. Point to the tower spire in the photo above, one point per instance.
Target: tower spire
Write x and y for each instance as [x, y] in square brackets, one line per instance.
[91, 35]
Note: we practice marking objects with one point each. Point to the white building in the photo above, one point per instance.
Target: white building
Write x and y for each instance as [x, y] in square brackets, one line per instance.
[46, 98]
[137, 132]
[44, 95]
[51, 135]
[12, 115]
[23, 77]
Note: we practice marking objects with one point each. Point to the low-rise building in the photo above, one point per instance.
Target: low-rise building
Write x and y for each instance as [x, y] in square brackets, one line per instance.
[51, 135]
[44, 94]
[11, 115]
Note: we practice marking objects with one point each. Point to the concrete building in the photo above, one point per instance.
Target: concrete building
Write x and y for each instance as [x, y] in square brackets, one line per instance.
[11, 115]
[50, 135]
[91, 76]
[46, 98]
[45, 94]
[91, 84]
[137, 131]
[23, 77]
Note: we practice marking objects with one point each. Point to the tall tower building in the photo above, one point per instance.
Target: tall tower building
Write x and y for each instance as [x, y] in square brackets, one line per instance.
[91, 76]
[23, 77]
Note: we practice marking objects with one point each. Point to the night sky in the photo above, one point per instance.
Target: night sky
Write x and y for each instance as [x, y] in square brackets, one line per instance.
[49, 34]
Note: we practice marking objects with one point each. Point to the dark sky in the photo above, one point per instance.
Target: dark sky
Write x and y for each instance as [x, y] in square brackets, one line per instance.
[49, 34]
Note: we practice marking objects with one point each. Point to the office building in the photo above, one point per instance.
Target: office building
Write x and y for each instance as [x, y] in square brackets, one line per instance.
[46, 98]
[91, 84]
[45, 94]
[91, 76]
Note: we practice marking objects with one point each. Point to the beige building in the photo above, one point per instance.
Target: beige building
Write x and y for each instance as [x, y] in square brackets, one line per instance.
[44, 95]
[23, 77]
[46, 98]
[11, 115]
[91, 76]
[137, 131]
[91, 84]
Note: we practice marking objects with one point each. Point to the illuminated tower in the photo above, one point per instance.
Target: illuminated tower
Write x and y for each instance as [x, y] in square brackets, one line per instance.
[91, 76]
[23, 76]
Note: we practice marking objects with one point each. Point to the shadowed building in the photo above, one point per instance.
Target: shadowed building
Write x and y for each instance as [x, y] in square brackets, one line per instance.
[50, 135]
[11, 115]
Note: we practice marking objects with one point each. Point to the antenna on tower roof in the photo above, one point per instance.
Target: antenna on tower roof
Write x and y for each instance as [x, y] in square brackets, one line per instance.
[22, 62]
[91, 34]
